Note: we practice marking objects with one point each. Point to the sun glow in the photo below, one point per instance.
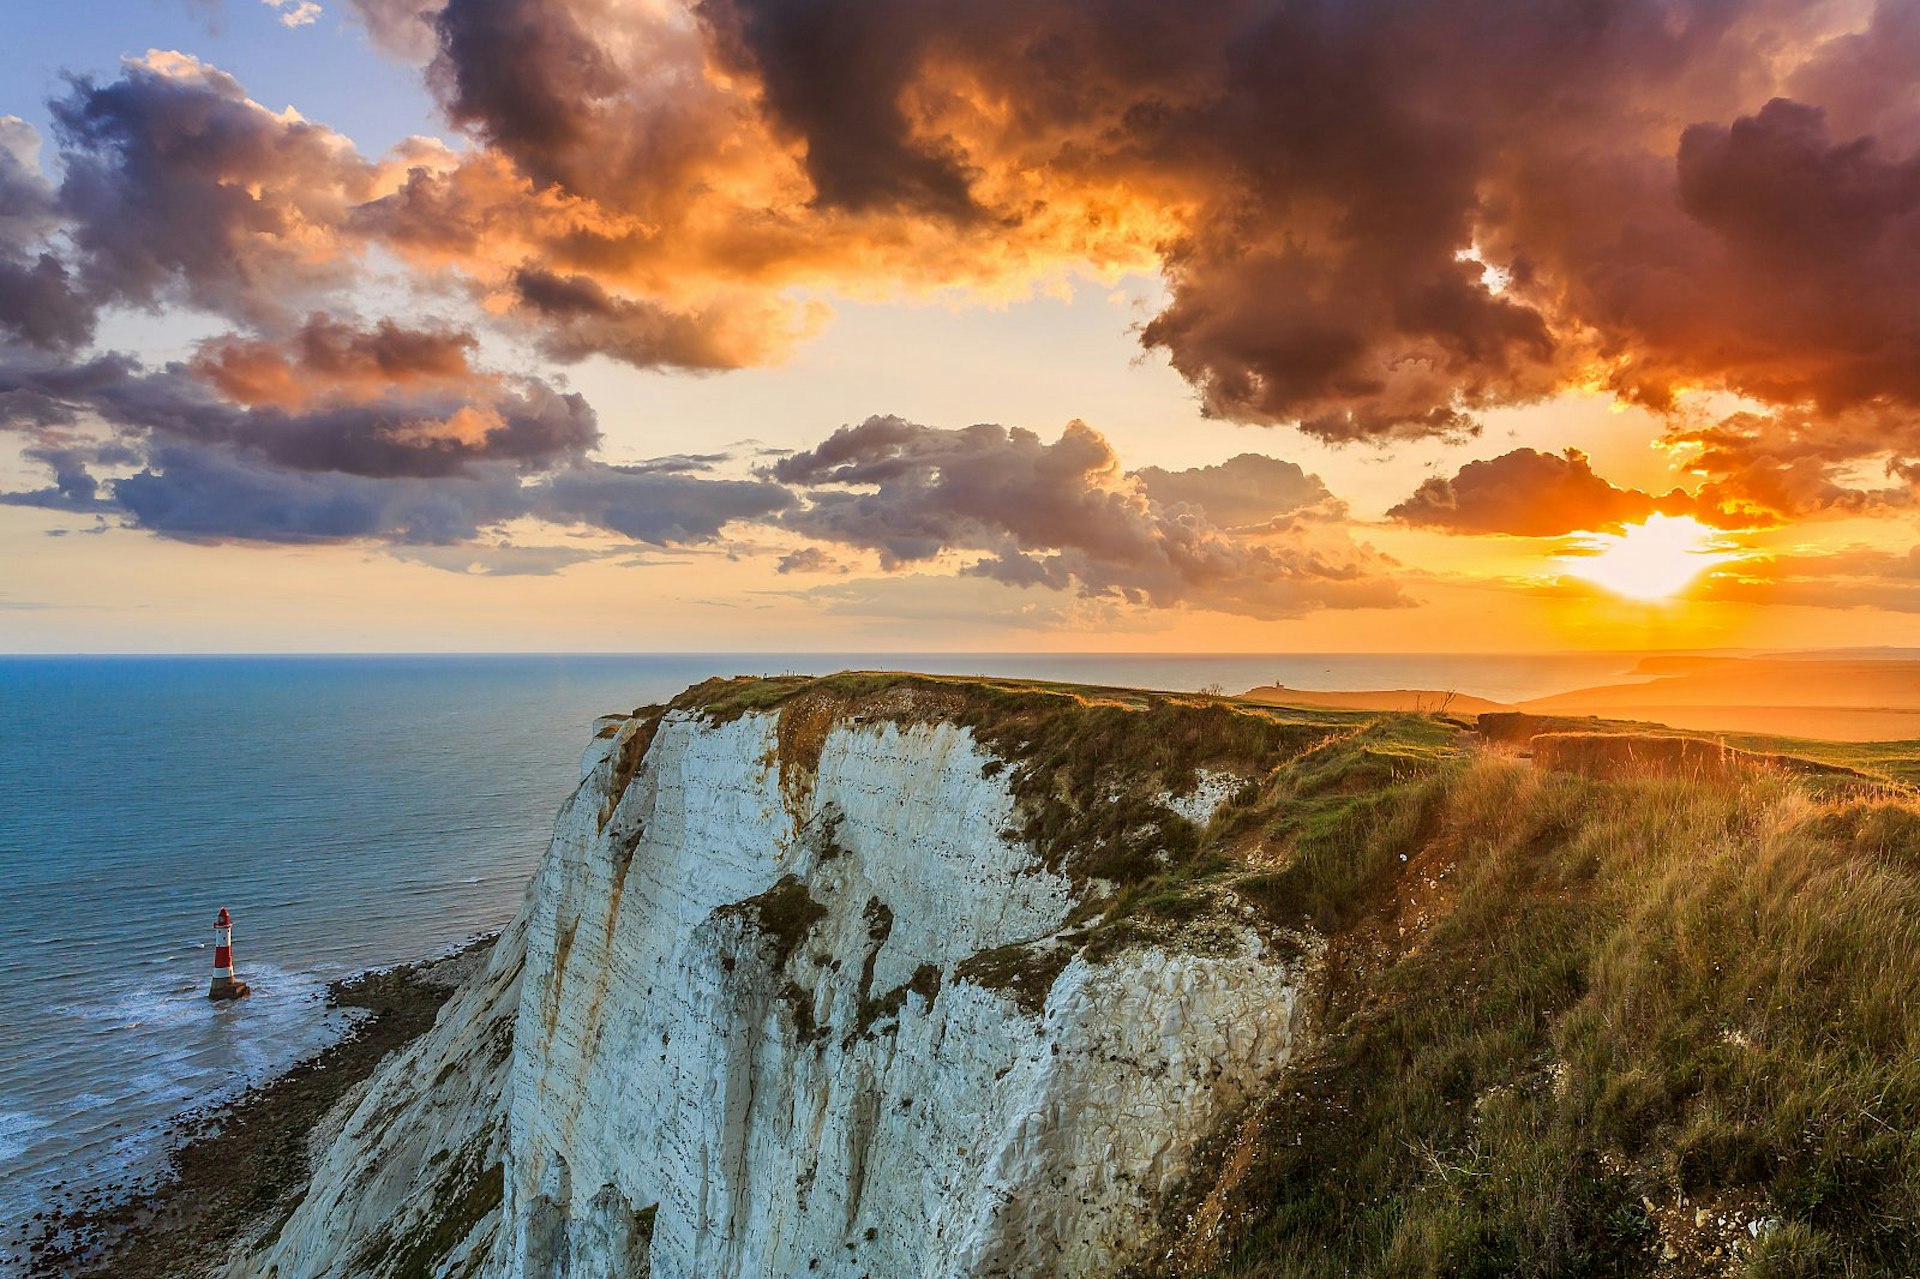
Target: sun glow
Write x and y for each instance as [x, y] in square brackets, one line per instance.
[1655, 560]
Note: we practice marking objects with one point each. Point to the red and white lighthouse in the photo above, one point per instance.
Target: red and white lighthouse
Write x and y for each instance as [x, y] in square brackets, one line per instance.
[224, 986]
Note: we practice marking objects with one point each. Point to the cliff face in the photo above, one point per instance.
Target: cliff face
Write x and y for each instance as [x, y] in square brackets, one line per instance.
[825, 987]
[897, 976]
[407, 1173]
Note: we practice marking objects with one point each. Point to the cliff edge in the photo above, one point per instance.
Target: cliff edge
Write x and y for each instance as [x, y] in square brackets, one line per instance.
[897, 976]
[843, 977]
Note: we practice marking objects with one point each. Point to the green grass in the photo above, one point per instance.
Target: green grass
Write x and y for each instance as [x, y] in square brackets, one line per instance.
[1570, 1027]
[1896, 761]
[1089, 765]
[1691, 995]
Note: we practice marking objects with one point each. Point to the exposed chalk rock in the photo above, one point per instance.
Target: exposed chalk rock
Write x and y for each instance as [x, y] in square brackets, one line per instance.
[407, 1176]
[803, 1008]
[1209, 792]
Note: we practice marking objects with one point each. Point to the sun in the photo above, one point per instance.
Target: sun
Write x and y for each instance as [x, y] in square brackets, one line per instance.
[1654, 560]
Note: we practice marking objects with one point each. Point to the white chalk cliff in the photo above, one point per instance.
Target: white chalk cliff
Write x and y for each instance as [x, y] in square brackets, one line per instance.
[779, 1008]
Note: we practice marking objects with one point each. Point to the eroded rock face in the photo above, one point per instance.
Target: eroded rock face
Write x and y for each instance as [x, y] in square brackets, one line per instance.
[408, 1175]
[801, 1001]
[754, 1026]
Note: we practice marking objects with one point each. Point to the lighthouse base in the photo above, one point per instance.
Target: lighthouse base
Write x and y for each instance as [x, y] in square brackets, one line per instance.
[228, 988]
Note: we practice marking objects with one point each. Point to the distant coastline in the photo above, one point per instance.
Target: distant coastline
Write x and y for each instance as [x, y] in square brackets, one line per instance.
[1846, 696]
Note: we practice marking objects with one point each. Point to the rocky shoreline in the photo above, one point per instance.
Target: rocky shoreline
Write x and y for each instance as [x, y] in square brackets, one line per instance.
[239, 1168]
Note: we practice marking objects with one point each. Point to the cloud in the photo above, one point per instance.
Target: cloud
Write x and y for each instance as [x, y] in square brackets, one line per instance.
[39, 305]
[295, 13]
[1065, 515]
[1248, 489]
[808, 559]
[861, 152]
[964, 606]
[1802, 465]
[179, 188]
[75, 487]
[1527, 493]
[29, 208]
[329, 360]
[657, 507]
[1375, 218]
[1801, 290]
[1330, 162]
[388, 434]
[572, 317]
[403, 29]
[497, 559]
[439, 432]
[38, 302]
[1849, 577]
[347, 432]
[197, 493]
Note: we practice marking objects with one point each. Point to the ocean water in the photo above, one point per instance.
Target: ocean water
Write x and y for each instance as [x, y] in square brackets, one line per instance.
[352, 813]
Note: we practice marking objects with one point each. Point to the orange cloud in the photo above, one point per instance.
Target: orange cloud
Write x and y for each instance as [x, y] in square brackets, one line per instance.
[329, 361]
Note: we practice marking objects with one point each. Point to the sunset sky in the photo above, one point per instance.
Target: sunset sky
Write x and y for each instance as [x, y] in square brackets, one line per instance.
[948, 324]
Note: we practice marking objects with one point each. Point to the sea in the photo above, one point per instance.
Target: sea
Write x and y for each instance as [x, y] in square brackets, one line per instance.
[351, 812]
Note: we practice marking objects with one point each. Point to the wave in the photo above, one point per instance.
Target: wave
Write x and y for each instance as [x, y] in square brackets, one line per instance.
[162, 1049]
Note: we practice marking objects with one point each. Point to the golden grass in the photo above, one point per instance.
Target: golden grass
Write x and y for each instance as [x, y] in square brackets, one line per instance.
[1605, 1021]
[1644, 1004]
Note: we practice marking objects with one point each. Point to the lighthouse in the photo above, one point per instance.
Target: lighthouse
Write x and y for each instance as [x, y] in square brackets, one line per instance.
[224, 986]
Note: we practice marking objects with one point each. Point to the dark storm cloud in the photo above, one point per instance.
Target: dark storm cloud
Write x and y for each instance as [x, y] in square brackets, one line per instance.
[1376, 218]
[1336, 155]
[526, 76]
[1789, 271]
[1064, 515]
[860, 148]
[1527, 493]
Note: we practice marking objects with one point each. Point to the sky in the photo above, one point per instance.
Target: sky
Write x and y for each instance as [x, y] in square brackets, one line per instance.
[781, 325]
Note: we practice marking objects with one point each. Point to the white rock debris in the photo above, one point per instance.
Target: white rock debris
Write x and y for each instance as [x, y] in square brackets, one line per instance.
[1211, 791]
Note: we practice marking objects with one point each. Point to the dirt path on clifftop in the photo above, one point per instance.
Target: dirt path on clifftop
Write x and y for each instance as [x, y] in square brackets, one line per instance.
[243, 1166]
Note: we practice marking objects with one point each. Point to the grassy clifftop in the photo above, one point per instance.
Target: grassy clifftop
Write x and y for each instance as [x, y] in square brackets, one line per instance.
[1569, 1025]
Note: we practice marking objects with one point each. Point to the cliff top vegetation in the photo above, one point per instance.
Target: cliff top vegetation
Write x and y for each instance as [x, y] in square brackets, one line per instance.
[1572, 1021]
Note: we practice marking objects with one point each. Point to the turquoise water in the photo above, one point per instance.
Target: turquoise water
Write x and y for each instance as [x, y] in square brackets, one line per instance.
[351, 812]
